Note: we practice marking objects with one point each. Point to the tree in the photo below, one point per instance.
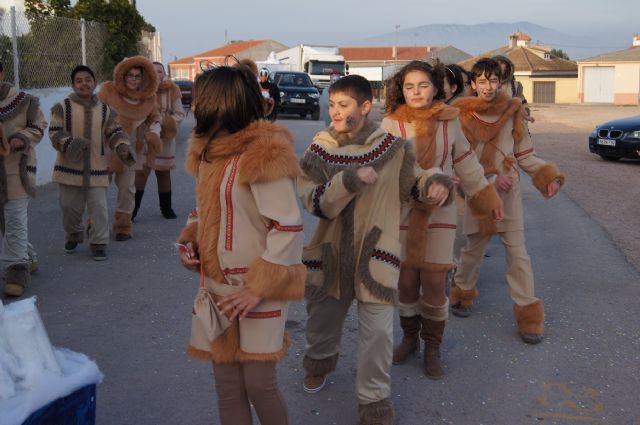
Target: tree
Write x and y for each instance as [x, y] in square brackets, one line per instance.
[559, 54]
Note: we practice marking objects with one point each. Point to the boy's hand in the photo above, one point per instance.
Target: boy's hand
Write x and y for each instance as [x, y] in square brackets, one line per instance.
[239, 304]
[552, 189]
[498, 214]
[437, 194]
[503, 183]
[189, 258]
[367, 175]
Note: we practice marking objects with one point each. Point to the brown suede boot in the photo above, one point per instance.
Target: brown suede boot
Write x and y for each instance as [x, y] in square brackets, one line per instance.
[377, 413]
[431, 333]
[317, 371]
[530, 320]
[122, 226]
[17, 277]
[409, 344]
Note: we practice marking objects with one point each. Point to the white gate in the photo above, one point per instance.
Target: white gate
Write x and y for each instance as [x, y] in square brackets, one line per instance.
[598, 84]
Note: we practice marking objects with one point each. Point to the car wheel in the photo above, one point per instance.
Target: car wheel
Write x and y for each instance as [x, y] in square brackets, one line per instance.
[315, 115]
[610, 158]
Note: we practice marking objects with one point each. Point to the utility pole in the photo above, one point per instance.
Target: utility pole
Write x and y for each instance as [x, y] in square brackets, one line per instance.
[395, 46]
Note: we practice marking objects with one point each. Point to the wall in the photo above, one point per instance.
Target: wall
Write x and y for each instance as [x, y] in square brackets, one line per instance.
[566, 87]
[627, 84]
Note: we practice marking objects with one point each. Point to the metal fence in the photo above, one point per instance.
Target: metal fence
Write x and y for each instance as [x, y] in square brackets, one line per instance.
[41, 51]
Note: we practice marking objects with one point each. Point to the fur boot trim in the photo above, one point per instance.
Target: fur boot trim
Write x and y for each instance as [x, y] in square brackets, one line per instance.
[320, 367]
[462, 296]
[530, 318]
[435, 313]
[275, 281]
[377, 413]
[122, 224]
[408, 310]
[426, 123]
[149, 84]
[17, 277]
[545, 175]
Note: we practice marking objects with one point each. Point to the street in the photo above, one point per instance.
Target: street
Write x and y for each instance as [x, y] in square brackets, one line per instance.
[132, 315]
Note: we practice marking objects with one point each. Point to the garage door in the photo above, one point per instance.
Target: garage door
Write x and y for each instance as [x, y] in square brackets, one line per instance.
[598, 84]
[544, 92]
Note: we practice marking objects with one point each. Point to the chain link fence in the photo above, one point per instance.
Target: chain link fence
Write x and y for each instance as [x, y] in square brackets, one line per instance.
[40, 51]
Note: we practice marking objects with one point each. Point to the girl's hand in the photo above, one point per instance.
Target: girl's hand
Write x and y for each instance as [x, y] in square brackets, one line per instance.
[437, 194]
[552, 189]
[188, 257]
[239, 304]
[503, 183]
[498, 214]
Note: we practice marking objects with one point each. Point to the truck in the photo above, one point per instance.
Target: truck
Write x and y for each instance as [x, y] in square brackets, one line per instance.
[319, 62]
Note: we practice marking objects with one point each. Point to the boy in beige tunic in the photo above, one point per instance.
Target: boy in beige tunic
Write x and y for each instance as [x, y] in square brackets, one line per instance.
[82, 129]
[495, 125]
[355, 178]
[22, 126]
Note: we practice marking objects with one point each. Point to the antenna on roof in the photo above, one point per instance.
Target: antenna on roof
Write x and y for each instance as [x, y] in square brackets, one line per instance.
[225, 36]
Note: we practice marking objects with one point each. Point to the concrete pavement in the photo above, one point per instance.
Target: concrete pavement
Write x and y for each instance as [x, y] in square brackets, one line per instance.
[132, 314]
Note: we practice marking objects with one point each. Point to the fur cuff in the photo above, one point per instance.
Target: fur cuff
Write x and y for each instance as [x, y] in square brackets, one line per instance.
[351, 180]
[436, 313]
[463, 296]
[189, 233]
[485, 201]
[530, 318]
[22, 137]
[380, 412]
[545, 175]
[320, 367]
[169, 128]
[122, 223]
[444, 180]
[124, 153]
[276, 282]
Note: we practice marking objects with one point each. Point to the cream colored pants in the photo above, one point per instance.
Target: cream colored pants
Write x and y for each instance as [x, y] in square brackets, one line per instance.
[72, 203]
[375, 342]
[519, 273]
[125, 182]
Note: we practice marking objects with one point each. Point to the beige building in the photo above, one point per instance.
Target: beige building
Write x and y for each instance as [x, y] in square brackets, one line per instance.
[189, 67]
[545, 78]
[611, 77]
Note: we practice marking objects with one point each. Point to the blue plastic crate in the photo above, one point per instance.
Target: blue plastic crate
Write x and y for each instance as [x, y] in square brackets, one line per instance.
[78, 408]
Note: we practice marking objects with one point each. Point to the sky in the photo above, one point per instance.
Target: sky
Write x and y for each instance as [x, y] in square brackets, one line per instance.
[192, 26]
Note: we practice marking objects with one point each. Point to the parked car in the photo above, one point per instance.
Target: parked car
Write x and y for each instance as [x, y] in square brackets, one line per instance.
[186, 88]
[297, 94]
[616, 139]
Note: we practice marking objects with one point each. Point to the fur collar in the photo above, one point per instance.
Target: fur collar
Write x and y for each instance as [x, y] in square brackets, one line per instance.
[129, 111]
[149, 84]
[325, 157]
[266, 148]
[89, 103]
[498, 106]
[358, 139]
[425, 123]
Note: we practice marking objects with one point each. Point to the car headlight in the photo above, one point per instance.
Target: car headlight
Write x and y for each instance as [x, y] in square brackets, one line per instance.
[635, 134]
[282, 94]
[314, 95]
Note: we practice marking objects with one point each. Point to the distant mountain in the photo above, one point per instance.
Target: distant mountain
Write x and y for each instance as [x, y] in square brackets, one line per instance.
[475, 39]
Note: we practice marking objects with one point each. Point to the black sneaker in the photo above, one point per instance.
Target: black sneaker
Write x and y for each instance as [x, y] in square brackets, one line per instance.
[121, 237]
[99, 254]
[70, 247]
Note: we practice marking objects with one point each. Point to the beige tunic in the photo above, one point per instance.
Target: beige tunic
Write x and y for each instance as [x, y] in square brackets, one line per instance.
[21, 118]
[169, 99]
[90, 120]
[453, 154]
[499, 135]
[249, 235]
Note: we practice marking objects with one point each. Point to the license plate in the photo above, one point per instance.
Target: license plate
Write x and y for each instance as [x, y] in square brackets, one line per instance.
[294, 100]
[606, 142]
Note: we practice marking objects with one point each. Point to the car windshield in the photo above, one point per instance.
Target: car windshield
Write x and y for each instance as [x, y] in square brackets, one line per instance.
[326, 68]
[298, 80]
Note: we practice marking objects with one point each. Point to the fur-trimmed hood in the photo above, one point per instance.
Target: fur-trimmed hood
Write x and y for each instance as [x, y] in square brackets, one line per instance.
[149, 84]
[267, 152]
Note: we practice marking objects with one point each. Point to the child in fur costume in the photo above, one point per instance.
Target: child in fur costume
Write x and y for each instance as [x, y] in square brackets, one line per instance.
[132, 94]
[495, 125]
[169, 99]
[22, 126]
[415, 112]
[246, 244]
[82, 129]
[356, 176]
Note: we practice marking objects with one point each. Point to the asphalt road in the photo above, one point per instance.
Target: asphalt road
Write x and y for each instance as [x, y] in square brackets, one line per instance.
[132, 314]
